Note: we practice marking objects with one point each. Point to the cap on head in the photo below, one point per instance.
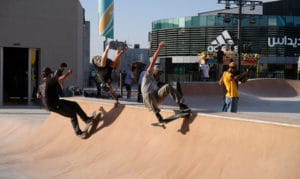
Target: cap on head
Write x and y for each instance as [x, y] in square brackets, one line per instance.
[157, 68]
[96, 59]
[46, 71]
[232, 65]
[63, 65]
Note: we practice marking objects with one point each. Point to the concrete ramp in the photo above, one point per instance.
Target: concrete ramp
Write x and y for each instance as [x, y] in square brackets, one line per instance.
[125, 145]
[272, 88]
[266, 99]
[256, 87]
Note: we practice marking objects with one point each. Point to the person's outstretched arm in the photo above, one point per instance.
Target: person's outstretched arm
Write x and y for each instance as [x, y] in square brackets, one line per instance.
[104, 57]
[117, 61]
[64, 76]
[151, 66]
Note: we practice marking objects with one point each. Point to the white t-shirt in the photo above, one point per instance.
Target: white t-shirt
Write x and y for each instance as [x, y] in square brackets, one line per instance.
[205, 70]
[149, 90]
[149, 84]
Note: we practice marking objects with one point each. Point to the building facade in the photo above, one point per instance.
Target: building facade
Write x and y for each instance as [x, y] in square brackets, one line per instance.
[270, 40]
[135, 55]
[36, 34]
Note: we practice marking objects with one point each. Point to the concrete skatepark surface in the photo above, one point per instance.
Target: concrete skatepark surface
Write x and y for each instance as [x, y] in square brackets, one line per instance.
[260, 141]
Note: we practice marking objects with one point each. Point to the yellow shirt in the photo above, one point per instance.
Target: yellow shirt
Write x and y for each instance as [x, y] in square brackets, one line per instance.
[231, 85]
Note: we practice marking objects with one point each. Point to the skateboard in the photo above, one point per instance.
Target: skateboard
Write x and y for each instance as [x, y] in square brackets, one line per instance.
[172, 118]
[118, 45]
[89, 125]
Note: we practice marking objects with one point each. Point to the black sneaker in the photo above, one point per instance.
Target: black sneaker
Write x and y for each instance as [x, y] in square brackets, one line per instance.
[184, 108]
[81, 135]
[89, 119]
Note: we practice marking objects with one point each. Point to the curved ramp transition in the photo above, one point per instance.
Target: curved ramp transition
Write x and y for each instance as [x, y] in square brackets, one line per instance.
[125, 145]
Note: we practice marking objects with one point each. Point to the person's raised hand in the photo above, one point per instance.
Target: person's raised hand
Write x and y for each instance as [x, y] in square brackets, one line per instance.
[161, 44]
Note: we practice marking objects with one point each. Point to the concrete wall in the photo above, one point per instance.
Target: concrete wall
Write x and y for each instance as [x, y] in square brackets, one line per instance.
[53, 26]
[86, 54]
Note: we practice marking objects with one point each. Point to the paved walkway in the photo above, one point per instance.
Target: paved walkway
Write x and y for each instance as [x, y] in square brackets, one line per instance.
[23, 112]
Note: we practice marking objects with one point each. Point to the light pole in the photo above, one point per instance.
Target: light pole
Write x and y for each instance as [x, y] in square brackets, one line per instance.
[240, 4]
[239, 34]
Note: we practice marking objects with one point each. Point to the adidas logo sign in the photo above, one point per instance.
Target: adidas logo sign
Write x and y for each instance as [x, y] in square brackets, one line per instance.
[222, 40]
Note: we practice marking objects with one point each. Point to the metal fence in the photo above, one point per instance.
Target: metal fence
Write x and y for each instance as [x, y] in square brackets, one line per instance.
[196, 76]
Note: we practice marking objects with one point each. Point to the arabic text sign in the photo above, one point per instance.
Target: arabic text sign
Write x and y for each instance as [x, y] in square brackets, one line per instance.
[285, 41]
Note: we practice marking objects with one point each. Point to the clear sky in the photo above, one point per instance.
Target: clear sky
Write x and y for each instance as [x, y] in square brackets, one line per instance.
[133, 18]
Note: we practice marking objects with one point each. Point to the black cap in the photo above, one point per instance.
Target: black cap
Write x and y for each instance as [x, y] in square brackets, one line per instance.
[46, 71]
[96, 59]
[63, 65]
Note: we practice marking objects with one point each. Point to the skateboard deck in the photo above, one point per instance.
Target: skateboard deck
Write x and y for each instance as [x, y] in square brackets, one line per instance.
[172, 118]
[89, 125]
[117, 45]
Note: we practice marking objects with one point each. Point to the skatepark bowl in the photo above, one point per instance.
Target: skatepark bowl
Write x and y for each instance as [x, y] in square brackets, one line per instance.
[260, 141]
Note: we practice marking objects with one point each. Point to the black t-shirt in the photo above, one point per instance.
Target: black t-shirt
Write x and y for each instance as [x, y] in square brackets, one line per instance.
[105, 72]
[58, 73]
[51, 95]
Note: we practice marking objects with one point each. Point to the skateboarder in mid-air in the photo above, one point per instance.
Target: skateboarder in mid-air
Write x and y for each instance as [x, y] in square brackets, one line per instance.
[49, 94]
[104, 67]
[152, 94]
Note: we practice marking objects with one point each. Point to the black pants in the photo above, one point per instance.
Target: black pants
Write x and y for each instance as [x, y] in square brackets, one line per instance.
[70, 109]
[60, 91]
[128, 90]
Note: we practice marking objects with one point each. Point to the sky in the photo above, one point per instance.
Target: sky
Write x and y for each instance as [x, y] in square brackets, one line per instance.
[133, 18]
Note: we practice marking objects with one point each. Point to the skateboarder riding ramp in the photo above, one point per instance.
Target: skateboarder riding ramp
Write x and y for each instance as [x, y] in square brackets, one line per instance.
[125, 145]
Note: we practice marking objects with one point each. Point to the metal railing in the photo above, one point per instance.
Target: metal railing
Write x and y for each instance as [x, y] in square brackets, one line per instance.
[196, 76]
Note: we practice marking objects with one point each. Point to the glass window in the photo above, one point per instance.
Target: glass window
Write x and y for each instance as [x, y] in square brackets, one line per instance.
[272, 21]
[297, 21]
[245, 20]
[156, 25]
[181, 22]
[280, 21]
[188, 21]
[289, 20]
[219, 20]
[211, 20]
[174, 23]
[234, 21]
[195, 21]
[166, 24]
[262, 20]
[252, 20]
[215, 20]
[169, 23]
[203, 20]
